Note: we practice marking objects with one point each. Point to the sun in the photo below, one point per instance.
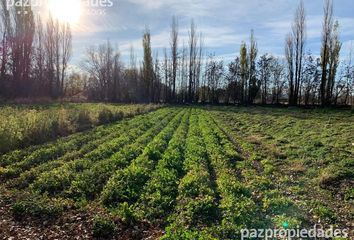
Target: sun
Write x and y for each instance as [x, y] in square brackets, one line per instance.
[68, 11]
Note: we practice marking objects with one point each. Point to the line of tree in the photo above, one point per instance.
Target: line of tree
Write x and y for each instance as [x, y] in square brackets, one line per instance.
[35, 55]
[187, 74]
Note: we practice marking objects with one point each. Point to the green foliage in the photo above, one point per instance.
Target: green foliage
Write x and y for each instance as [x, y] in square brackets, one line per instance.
[175, 232]
[103, 228]
[23, 126]
[105, 116]
[126, 213]
[283, 220]
[196, 203]
[97, 166]
[324, 212]
[83, 119]
[38, 207]
[126, 184]
[197, 174]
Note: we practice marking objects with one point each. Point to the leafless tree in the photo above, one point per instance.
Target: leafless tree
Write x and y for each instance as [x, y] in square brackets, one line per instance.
[49, 45]
[193, 54]
[148, 68]
[198, 68]
[21, 50]
[349, 78]
[132, 78]
[265, 74]
[66, 51]
[157, 79]
[166, 70]
[39, 59]
[214, 74]
[299, 36]
[252, 81]
[289, 55]
[174, 54]
[183, 75]
[294, 52]
[6, 31]
[278, 82]
[104, 68]
[327, 29]
[335, 47]
[244, 70]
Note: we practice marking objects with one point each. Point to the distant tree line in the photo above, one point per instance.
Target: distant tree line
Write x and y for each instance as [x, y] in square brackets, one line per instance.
[34, 59]
[186, 74]
[34, 54]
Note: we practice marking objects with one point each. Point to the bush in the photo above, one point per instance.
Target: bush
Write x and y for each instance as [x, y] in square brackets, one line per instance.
[324, 212]
[38, 207]
[65, 122]
[105, 116]
[83, 120]
[126, 213]
[119, 116]
[22, 126]
[103, 228]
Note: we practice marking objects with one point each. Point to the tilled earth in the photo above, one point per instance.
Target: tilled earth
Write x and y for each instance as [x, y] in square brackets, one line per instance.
[72, 225]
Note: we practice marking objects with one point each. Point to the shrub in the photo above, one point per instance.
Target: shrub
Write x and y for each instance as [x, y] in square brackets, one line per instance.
[25, 126]
[38, 207]
[119, 115]
[83, 119]
[324, 212]
[105, 116]
[103, 228]
[126, 213]
[65, 122]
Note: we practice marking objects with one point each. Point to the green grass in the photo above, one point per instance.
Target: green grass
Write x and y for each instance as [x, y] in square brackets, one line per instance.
[25, 125]
[194, 172]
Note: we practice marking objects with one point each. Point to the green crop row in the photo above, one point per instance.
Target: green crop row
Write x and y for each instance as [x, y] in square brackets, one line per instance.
[86, 150]
[126, 184]
[52, 151]
[159, 195]
[23, 158]
[196, 207]
[258, 176]
[58, 180]
[237, 208]
[90, 182]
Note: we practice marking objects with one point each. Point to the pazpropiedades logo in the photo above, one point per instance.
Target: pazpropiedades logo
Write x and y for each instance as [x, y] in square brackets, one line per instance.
[317, 232]
[40, 3]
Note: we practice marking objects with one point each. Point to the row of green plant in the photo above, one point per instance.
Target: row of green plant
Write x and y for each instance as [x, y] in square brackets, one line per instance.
[25, 126]
[158, 197]
[60, 179]
[81, 138]
[55, 150]
[238, 210]
[108, 136]
[56, 202]
[126, 184]
[91, 182]
[258, 174]
[196, 204]
[199, 174]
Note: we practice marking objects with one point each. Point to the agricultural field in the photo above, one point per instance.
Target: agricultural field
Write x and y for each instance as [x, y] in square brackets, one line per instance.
[184, 173]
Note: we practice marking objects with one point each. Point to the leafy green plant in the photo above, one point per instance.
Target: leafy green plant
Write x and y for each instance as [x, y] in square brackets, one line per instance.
[103, 228]
[38, 207]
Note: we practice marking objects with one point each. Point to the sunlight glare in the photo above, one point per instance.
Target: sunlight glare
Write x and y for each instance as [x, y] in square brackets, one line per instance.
[68, 11]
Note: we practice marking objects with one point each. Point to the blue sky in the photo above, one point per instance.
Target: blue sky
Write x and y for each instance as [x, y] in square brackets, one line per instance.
[223, 23]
